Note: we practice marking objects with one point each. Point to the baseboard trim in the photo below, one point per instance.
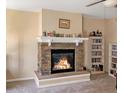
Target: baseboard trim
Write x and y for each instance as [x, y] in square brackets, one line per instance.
[19, 79]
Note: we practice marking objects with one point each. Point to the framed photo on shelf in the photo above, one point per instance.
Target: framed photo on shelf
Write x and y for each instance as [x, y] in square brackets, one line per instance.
[64, 23]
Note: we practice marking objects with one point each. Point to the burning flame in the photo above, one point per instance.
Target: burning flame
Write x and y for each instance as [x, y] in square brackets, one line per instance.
[62, 64]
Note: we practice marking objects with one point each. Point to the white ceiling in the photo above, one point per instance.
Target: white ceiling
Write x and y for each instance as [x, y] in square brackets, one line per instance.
[78, 6]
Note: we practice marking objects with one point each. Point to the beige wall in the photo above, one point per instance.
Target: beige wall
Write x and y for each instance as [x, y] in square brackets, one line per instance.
[110, 37]
[92, 24]
[22, 30]
[51, 21]
[111, 30]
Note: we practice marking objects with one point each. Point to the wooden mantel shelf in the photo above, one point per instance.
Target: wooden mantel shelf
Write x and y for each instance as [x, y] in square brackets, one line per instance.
[50, 40]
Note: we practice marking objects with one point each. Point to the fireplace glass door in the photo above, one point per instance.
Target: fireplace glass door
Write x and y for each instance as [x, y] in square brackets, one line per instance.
[62, 60]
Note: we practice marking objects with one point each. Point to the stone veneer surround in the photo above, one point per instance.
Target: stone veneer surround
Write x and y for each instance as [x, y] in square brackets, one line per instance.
[44, 56]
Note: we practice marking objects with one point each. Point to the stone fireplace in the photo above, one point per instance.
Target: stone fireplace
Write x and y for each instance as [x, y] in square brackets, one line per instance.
[60, 61]
[60, 58]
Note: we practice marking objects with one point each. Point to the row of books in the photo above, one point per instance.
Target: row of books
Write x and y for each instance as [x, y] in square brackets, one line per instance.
[114, 60]
[96, 47]
[114, 65]
[97, 41]
[97, 67]
[114, 47]
[114, 53]
[96, 53]
[94, 60]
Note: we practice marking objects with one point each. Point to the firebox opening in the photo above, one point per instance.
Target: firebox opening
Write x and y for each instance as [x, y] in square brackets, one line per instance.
[62, 60]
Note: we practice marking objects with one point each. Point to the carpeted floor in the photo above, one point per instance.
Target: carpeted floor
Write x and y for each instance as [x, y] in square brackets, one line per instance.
[98, 84]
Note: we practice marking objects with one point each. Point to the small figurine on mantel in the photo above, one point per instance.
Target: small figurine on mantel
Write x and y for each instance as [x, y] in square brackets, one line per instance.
[44, 33]
[54, 33]
[96, 33]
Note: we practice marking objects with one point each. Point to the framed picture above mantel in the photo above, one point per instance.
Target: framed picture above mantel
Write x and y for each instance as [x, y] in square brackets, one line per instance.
[64, 23]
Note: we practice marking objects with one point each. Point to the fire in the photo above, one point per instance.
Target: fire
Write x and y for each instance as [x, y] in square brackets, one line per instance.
[62, 64]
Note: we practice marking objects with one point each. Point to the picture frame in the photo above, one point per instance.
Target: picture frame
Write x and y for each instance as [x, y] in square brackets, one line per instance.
[64, 23]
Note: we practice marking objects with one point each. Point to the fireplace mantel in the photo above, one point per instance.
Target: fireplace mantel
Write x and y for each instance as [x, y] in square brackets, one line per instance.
[50, 40]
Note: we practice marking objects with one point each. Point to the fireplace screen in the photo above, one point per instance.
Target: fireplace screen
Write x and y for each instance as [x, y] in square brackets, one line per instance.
[62, 60]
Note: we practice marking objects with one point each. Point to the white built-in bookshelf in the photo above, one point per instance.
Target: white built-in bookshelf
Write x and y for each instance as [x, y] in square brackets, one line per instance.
[96, 54]
[113, 59]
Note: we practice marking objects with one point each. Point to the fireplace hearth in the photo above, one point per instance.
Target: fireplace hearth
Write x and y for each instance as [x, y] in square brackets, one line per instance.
[62, 60]
[60, 63]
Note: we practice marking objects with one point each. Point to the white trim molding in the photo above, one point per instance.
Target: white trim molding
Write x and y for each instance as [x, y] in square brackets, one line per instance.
[19, 79]
[50, 40]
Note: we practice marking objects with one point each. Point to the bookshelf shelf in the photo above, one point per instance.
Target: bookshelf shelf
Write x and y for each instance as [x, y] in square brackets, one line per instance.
[113, 59]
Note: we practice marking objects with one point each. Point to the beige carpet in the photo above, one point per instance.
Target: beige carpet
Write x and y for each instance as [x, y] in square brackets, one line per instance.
[98, 84]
